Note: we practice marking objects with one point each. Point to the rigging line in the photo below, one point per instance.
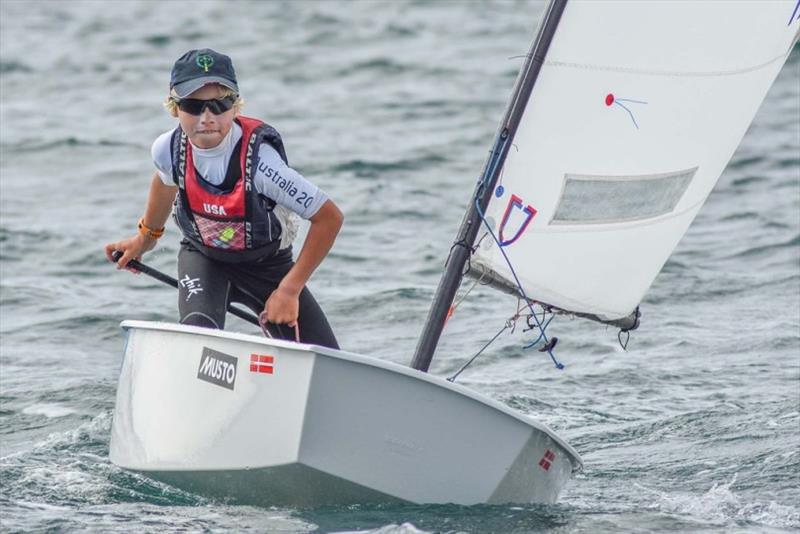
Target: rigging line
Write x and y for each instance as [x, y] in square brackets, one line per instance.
[513, 318]
[624, 344]
[478, 244]
[458, 302]
[543, 335]
[528, 321]
[529, 345]
[516, 315]
[511, 323]
[452, 310]
[453, 378]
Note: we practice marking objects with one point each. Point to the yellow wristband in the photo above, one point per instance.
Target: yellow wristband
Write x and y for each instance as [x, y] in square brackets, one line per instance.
[149, 232]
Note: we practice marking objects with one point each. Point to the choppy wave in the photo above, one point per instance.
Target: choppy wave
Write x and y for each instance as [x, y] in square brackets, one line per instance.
[723, 506]
[71, 468]
[67, 143]
[10, 67]
[375, 169]
[764, 250]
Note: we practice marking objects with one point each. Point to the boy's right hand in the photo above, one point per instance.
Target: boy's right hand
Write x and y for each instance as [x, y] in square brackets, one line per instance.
[131, 248]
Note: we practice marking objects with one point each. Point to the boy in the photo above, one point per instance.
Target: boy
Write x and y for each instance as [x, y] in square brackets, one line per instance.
[234, 197]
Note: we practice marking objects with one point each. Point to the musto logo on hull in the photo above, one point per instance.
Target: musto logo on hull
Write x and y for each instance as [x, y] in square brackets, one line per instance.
[217, 368]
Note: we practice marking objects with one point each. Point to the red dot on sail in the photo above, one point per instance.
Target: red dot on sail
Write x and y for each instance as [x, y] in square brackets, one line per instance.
[609, 99]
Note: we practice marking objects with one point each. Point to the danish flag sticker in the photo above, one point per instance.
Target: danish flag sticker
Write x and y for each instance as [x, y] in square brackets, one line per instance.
[262, 363]
[548, 457]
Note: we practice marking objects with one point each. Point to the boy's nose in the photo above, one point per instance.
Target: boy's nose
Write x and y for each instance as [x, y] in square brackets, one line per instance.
[206, 115]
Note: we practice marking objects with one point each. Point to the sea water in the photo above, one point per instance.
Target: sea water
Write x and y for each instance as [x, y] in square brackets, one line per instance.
[391, 108]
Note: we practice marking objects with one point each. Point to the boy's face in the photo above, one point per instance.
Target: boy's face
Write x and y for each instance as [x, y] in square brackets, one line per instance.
[207, 130]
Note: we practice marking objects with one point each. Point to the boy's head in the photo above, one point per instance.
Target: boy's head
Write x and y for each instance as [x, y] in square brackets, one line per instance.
[204, 96]
[204, 75]
[197, 68]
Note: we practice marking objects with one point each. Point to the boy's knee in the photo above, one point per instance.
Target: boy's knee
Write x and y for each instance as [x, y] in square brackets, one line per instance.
[200, 319]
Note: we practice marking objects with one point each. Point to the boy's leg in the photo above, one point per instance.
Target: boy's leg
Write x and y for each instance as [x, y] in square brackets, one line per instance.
[314, 326]
[203, 288]
[259, 283]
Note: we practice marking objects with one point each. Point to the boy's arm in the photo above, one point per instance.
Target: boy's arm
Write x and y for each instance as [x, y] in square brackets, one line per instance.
[282, 306]
[156, 213]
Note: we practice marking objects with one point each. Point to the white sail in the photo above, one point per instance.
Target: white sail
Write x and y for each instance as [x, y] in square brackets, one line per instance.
[635, 113]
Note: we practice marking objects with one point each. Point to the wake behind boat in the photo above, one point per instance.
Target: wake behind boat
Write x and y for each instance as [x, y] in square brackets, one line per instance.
[270, 422]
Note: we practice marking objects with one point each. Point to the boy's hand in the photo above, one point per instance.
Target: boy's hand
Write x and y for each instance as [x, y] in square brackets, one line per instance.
[282, 307]
[131, 248]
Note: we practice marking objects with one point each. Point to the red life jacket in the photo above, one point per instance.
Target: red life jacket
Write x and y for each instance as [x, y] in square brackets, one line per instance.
[230, 222]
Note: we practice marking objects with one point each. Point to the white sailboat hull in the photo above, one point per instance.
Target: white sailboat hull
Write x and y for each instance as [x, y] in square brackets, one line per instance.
[323, 427]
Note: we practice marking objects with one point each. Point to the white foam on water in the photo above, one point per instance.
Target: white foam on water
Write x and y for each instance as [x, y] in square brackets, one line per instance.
[73, 466]
[136, 517]
[721, 506]
[98, 428]
[69, 481]
[62, 465]
[49, 410]
[405, 528]
[772, 514]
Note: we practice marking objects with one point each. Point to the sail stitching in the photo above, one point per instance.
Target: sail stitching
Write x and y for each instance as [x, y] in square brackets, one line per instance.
[652, 72]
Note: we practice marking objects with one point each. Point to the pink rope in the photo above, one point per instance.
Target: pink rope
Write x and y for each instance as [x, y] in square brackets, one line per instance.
[262, 321]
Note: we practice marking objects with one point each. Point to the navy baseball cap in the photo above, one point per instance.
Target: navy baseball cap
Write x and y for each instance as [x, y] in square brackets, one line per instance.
[197, 68]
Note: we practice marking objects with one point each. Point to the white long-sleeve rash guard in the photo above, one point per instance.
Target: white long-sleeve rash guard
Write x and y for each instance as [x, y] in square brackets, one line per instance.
[272, 177]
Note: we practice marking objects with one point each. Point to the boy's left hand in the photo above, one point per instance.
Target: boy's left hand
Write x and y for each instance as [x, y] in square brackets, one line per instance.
[282, 307]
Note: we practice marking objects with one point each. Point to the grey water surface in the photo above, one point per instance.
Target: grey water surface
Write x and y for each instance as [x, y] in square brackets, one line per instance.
[391, 107]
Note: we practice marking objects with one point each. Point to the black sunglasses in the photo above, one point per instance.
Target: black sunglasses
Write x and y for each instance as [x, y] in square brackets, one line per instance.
[194, 106]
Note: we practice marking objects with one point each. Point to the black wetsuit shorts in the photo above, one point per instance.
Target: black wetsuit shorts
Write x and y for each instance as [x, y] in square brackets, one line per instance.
[206, 286]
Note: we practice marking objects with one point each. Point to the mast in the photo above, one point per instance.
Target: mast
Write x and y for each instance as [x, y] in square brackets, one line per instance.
[454, 269]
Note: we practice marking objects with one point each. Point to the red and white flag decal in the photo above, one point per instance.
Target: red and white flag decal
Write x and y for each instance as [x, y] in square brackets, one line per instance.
[262, 363]
[548, 457]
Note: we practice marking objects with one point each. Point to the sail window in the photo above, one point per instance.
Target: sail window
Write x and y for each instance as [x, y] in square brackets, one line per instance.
[589, 199]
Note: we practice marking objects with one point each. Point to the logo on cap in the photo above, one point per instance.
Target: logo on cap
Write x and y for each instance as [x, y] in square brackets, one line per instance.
[204, 61]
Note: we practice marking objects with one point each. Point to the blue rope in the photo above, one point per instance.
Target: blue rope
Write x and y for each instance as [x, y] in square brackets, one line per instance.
[542, 334]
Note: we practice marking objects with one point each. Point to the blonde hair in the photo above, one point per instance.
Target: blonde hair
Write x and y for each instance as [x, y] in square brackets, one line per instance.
[172, 107]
